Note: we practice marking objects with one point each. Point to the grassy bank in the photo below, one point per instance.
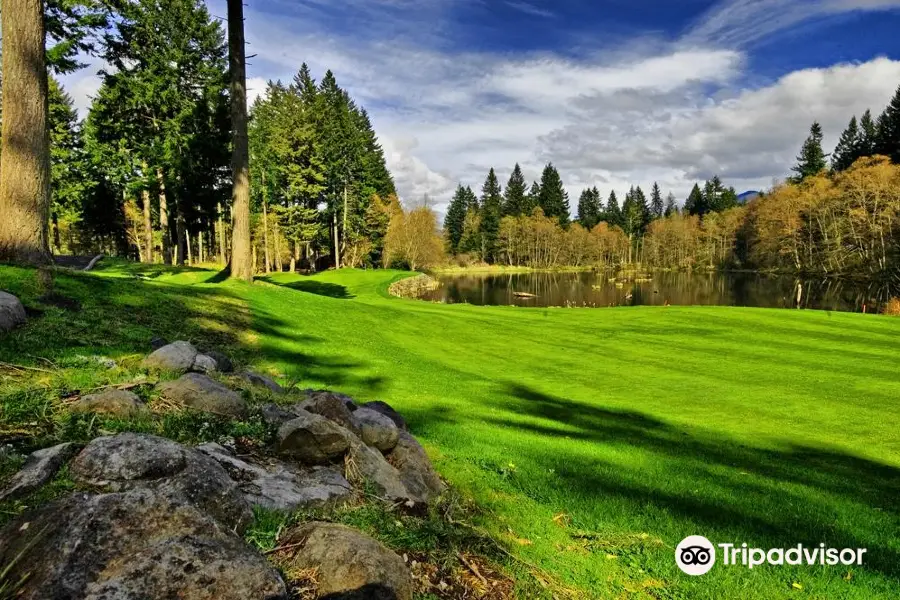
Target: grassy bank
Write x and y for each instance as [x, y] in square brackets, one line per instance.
[595, 439]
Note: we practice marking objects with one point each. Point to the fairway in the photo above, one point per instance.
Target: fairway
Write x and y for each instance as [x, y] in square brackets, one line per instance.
[594, 440]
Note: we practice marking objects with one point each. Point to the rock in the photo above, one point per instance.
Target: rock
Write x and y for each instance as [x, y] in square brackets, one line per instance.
[376, 429]
[204, 364]
[134, 461]
[276, 416]
[119, 403]
[262, 381]
[223, 363]
[331, 406]
[12, 313]
[416, 471]
[365, 463]
[39, 468]
[199, 392]
[385, 409]
[348, 564]
[313, 439]
[137, 544]
[278, 487]
[177, 356]
[157, 342]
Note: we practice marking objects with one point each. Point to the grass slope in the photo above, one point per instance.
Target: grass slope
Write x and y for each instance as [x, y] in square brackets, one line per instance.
[595, 439]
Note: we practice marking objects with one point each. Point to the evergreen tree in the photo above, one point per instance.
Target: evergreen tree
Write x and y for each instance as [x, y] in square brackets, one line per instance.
[514, 197]
[241, 266]
[491, 201]
[532, 199]
[455, 220]
[848, 148]
[656, 202]
[613, 214]
[635, 213]
[812, 159]
[671, 206]
[69, 174]
[888, 140]
[695, 203]
[868, 134]
[553, 198]
[589, 208]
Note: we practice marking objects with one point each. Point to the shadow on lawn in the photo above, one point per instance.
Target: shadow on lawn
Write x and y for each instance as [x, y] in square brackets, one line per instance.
[748, 490]
[319, 288]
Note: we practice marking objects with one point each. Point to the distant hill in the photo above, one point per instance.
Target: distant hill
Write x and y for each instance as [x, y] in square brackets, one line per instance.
[747, 196]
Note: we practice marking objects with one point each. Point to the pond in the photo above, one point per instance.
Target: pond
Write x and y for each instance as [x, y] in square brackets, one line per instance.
[602, 289]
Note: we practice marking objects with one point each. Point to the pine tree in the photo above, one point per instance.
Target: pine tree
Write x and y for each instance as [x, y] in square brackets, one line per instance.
[532, 199]
[868, 134]
[656, 202]
[613, 214]
[69, 175]
[553, 198]
[671, 206]
[514, 196]
[241, 265]
[635, 213]
[888, 140]
[589, 208]
[695, 203]
[455, 220]
[848, 148]
[812, 160]
[491, 201]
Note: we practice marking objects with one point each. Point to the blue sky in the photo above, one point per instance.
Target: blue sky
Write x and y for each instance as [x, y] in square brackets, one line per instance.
[615, 93]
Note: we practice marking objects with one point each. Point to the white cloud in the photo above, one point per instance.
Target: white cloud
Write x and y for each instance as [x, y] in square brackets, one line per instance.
[530, 9]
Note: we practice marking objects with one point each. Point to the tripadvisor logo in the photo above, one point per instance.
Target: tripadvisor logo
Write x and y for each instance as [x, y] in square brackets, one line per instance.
[696, 555]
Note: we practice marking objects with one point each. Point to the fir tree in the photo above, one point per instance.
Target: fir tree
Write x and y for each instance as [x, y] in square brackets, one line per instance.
[532, 199]
[589, 208]
[888, 137]
[635, 213]
[812, 160]
[455, 220]
[868, 134]
[514, 196]
[656, 202]
[491, 201]
[613, 214]
[671, 206]
[553, 198]
[695, 203]
[848, 148]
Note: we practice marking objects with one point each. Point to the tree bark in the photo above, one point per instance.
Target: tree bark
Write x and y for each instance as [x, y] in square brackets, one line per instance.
[25, 168]
[164, 218]
[200, 235]
[268, 264]
[241, 267]
[337, 250]
[182, 236]
[220, 231]
[148, 226]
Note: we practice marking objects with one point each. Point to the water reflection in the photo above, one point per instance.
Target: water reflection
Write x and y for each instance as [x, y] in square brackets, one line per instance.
[665, 288]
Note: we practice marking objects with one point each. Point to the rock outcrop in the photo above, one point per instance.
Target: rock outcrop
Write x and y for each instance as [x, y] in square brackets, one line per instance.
[12, 313]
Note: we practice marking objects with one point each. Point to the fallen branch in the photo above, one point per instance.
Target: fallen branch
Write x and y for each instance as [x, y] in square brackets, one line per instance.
[473, 568]
[285, 547]
[6, 365]
[93, 262]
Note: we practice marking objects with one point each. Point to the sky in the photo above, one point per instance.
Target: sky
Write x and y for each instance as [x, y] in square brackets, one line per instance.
[614, 93]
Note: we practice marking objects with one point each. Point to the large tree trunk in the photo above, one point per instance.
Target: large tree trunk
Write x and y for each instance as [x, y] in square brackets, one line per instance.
[268, 264]
[241, 265]
[164, 218]
[25, 168]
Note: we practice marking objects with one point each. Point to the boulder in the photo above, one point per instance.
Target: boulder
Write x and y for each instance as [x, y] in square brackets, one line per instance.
[262, 381]
[276, 416]
[12, 313]
[416, 471]
[365, 463]
[131, 545]
[39, 468]
[177, 356]
[331, 406]
[348, 564]
[119, 403]
[139, 461]
[277, 486]
[223, 363]
[313, 439]
[385, 409]
[199, 392]
[204, 364]
[376, 429]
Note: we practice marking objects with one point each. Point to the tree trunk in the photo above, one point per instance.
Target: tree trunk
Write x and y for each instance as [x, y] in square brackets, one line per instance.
[268, 264]
[182, 236]
[241, 267]
[344, 225]
[25, 169]
[200, 244]
[220, 231]
[337, 250]
[148, 226]
[164, 218]
[277, 232]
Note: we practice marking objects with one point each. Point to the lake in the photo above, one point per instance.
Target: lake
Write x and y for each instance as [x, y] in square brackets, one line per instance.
[603, 289]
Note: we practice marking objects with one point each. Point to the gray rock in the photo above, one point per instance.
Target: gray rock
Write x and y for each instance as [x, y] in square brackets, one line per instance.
[416, 470]
[276, 416]
[138, 461]
[199, 392]
[39, 468]
[349, 565]
[262, 381]
[331, 406]
[277, 486]
[137, 544]
[120, 403]
[223, 363]
[367, 464]
[385, 409]
[376, 429]
[204, 364]
[12, 313]
[177, 356]
[157, 342]
[313, 439]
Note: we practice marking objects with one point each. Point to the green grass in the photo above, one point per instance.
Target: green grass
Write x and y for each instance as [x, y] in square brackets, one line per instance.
[594, 440]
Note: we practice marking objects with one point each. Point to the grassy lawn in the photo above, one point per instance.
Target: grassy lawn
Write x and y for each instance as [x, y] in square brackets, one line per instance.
[595, 439]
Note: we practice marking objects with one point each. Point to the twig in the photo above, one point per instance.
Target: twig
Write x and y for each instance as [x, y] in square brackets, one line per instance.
[285, 547]
[473, 568]
[120, 386]
[23, 367]
[46, 360]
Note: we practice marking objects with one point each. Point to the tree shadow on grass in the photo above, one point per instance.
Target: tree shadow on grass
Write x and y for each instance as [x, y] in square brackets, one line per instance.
[311, 286]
